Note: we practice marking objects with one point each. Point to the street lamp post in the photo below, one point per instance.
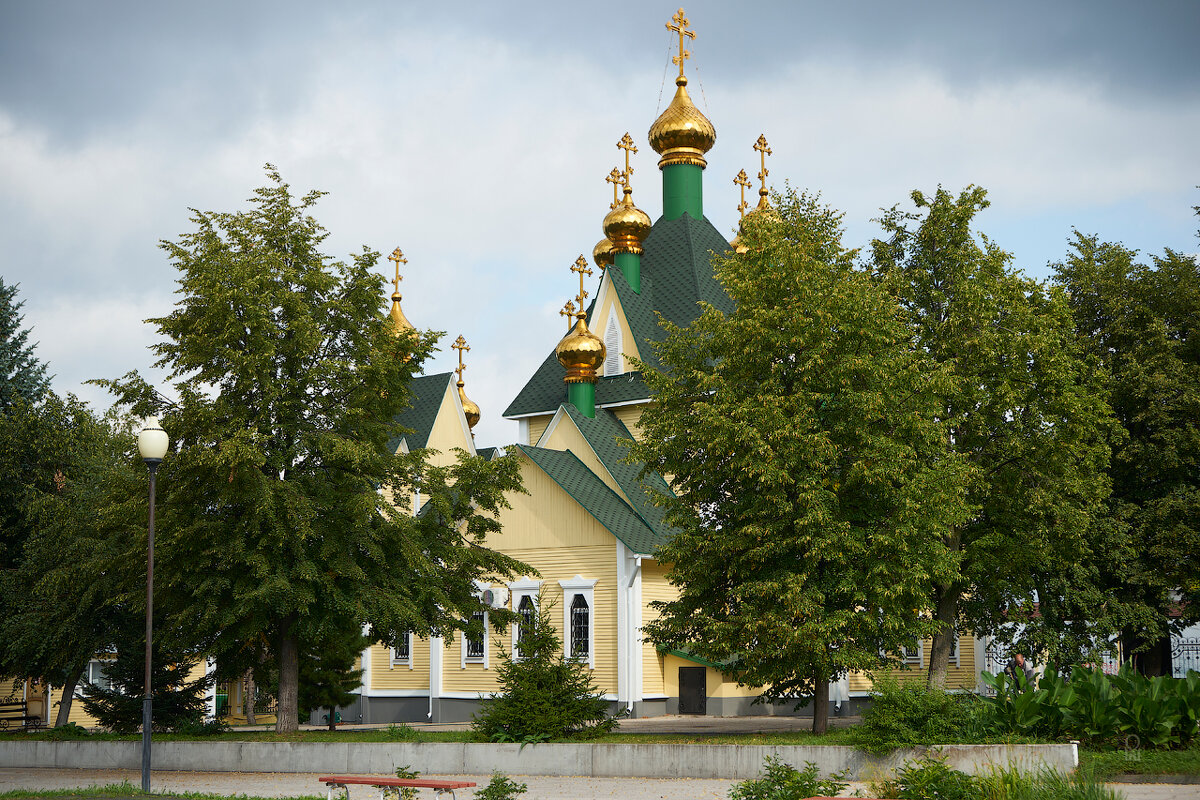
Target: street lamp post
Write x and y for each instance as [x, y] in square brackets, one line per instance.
[152, 445]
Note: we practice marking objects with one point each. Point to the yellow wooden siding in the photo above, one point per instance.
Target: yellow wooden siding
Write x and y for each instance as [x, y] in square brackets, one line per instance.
[962, 676]
[448, 430]
[654, 587]
[717, 684]
[537, 425]
[546, 518]
[383, 676]
[629, 347]
[566, 437]
[631, 417]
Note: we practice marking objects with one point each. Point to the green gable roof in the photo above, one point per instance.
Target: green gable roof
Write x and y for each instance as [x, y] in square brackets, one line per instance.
[594, 495]
[427, 393]
[676, 275]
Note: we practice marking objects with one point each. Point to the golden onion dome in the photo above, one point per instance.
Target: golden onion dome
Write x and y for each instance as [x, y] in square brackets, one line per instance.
[400, 323]
[737, 245]
[602, 253]
[581, 353]
[627, 226]
[682, 134]
[470, 407]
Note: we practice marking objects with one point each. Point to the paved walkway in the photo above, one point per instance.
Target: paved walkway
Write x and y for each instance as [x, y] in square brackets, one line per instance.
[272, 784]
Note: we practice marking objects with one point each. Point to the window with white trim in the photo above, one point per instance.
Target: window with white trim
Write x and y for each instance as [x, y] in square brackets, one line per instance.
[402, 651]
[525, 603]
[913, 653]
[579, 622]
[954, 654]
[475, 647]
[96, 676]
[612, 346]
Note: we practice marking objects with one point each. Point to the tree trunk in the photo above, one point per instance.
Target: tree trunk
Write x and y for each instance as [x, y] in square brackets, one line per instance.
[946, 612]
[68, 697]
[287, 719]
[820, 705]
[333, 718]
[250, 698]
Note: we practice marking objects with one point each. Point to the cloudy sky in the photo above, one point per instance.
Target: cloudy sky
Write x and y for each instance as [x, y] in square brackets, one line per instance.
[476, 137]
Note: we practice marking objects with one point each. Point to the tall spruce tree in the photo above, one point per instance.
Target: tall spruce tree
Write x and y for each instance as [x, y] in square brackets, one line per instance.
[1142, 321]
[1025, 411]
[813, 492]
[274, 517]
[22, 375]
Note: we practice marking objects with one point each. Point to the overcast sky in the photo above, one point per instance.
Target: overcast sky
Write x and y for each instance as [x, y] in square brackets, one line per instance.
[476, 137]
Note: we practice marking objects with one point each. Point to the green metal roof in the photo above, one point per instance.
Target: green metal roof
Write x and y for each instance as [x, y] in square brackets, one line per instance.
[595, 496]
[427, 393]
[676, 275]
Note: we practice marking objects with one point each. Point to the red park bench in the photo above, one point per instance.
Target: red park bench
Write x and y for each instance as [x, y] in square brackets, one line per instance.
[383, 784]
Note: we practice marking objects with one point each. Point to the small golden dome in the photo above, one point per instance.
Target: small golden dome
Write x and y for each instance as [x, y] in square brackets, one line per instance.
[627, 226]
[470, 408]
[682, 134]
[581, 353]
[602, 253]
[400, 323]
[737, 245]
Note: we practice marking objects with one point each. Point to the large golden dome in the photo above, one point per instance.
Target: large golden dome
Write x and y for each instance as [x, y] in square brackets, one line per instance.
[400, 323]
[602, 253]
[681, 134]
[470, 408]
[581, 353]
[627, 226]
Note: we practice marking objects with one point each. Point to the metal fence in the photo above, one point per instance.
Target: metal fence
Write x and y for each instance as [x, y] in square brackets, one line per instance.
[1185, 655]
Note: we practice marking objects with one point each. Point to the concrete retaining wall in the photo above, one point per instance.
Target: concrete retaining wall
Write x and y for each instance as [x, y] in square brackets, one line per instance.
[589, 760]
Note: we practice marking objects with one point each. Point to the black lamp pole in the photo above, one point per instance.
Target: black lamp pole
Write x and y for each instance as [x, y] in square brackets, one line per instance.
[152, 445]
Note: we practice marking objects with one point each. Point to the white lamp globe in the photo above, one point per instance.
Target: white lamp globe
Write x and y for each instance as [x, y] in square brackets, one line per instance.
[152, 441]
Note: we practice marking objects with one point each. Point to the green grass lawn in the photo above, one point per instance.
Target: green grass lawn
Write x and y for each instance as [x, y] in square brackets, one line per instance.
[1108, 763]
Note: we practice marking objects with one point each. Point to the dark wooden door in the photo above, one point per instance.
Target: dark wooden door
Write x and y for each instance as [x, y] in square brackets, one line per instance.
[693, 691]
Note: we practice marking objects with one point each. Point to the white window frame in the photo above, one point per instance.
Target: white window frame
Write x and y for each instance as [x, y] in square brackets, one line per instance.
[403, 661]
[955, 651]
[484, 660]
[517, 591]
[612, 344]
[571, 587]
[907, 657]
[81, 687]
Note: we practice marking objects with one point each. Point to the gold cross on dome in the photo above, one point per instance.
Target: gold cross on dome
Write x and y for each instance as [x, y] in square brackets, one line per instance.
[568, 311]
[680, 27]
[627, 145]
[763, 151]
[616, 178]
[581, 266]
[460, 344]
[743, 181]
[399, 258]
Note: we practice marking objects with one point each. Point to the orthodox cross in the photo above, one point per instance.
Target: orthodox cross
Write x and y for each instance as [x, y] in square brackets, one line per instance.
[568, 311]
[399, 258]
[460, 344]
[616, 178]
[680, 27]
[627, 145]
[763, 152]
[581, 266]
[743, 181]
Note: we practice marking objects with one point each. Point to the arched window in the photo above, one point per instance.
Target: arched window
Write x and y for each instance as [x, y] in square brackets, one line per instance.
[612, 347]
[528, 613]
[581, 623]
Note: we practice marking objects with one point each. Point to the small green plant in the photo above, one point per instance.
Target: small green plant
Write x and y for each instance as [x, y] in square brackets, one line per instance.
[66, 732]
[501, 787]
[402, 733]
[782, 781]
[201, 727]
[407, 792]
[930, 778]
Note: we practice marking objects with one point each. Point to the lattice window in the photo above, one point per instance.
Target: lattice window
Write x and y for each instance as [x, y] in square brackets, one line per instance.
[581, 626]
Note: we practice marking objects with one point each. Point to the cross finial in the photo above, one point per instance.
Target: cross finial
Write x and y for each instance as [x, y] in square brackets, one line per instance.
[581, 266]
[616, 178]
[680, 27]
[743, 181]
[627, 145]
[399, 258]
[460, 344]
[568, 311]
[763, 150]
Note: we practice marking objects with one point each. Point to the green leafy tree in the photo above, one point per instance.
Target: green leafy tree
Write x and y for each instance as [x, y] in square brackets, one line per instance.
[1025, 411]
[22, 375]
[178, 701]
[1141, 321]
[812, 488]
[543, 695]
[328, 678]
[275, 514]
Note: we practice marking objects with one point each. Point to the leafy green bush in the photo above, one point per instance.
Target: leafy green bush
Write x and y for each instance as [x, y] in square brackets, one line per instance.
[784, 782]
[66, 732]
[903, 714]
[201, 727]
[402, 733]
[501, 787]
[543, 695]
[931, 779]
